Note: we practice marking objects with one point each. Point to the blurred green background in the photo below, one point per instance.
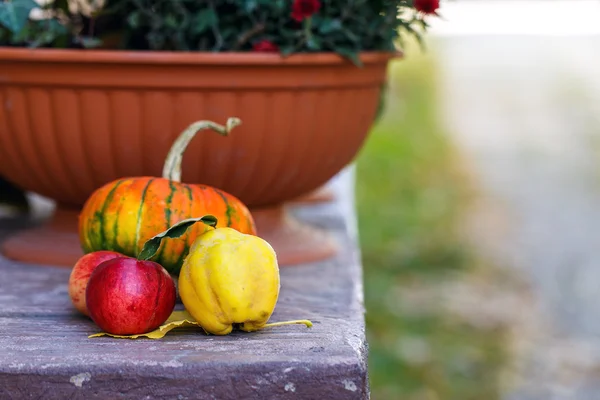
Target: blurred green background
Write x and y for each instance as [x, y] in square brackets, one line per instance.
[411, 192]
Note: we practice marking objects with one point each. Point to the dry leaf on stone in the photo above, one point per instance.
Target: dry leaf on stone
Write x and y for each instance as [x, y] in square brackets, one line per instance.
[175, 320]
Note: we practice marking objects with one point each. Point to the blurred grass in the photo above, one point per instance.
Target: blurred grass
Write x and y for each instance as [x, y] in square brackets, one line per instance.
[411, 192]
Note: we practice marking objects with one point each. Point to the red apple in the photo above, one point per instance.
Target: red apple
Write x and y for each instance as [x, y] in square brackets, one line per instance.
[126, 296]
[80, 275]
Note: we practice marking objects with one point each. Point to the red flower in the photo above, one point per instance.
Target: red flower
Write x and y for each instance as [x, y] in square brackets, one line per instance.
[305, 8]
[427, 6]
[265, 46]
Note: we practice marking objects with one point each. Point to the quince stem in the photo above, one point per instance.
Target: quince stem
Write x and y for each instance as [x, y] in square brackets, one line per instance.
[299, 321]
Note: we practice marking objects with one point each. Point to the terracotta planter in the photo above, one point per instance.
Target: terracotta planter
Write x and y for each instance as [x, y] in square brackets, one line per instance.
[323, 194]
[72, 120]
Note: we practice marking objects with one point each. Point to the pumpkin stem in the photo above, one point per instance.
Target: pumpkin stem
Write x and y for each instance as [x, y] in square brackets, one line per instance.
[172, 168]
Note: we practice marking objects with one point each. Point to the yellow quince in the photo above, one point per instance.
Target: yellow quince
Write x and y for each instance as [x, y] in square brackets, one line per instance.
[230, 279]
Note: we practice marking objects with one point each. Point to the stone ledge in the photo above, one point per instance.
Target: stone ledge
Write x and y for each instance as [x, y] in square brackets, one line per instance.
[46, 353]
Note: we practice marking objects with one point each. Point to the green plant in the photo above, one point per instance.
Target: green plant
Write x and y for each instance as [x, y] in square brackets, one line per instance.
[286, 26]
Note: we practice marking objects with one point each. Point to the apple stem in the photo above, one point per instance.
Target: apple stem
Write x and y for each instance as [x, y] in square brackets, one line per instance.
[299, 321]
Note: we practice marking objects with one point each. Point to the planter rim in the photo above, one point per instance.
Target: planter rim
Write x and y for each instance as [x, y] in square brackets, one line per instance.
[185, 58]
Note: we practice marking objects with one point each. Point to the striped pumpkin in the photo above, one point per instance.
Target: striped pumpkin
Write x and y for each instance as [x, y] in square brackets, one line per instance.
[122, 215]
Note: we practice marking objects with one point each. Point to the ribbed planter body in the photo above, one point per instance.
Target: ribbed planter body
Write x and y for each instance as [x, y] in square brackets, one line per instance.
[71, 120]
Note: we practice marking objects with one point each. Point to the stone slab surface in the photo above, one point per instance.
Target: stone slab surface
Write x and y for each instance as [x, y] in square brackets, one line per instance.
[45, 352]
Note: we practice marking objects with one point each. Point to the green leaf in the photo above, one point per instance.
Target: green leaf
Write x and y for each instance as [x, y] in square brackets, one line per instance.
[62, 5]
[352, 36]
[204, 20]
[229, 33]
[134, 19]
[52, 32]
[156, 40]
[152, 245]
[90, 42]
[287, 50]
[14, 14]
[250, 5]
[328, 25]
[350, 54]
[171, 21]
[314, 43]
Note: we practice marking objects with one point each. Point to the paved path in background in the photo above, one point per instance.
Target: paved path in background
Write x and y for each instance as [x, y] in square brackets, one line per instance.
[526, 113]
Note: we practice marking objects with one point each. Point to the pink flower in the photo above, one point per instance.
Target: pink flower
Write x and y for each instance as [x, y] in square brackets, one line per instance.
[427, 6]
[304, 9]
[265, 46]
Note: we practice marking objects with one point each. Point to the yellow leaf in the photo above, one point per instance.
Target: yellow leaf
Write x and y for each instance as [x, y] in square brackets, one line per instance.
[176, 319]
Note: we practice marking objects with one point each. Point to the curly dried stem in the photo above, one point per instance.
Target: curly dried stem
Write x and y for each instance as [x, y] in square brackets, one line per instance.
[172, 168]
[299, 322]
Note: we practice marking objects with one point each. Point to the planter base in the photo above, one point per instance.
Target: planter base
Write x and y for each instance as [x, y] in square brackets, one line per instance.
[56, 243]
[294, 241]
[324, 194]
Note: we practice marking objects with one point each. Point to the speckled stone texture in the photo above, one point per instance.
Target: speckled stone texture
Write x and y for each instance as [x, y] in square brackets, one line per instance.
[45, 352]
